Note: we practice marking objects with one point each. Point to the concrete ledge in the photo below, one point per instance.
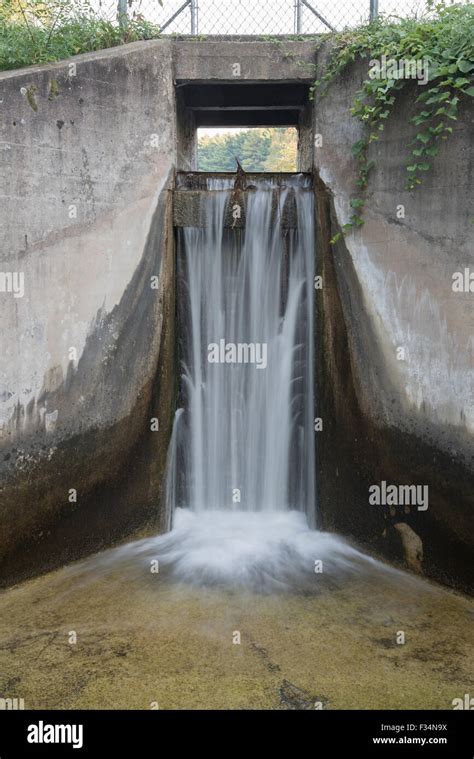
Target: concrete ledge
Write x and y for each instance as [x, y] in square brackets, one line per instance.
[189, 209]
[254, 61]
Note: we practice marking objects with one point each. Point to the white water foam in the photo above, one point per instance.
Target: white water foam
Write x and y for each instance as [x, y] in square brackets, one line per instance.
[244, 436]
[260, 551]
[242, 428]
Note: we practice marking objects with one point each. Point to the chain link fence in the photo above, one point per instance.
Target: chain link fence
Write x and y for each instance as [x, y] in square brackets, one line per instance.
[257, 17]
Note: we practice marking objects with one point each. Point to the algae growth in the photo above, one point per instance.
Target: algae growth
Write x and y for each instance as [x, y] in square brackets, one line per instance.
[118, 640]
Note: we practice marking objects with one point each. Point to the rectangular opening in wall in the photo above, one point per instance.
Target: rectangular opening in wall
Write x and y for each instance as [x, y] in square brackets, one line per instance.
[266, 126]
[264, 149]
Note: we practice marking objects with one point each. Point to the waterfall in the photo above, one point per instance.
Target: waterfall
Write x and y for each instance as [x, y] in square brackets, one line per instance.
[240, 484]
[245, 437]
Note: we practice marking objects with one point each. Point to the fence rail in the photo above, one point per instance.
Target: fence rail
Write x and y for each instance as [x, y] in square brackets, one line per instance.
[257, 17]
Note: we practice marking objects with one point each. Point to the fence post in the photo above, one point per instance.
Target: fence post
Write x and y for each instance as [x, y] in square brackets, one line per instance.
[374, 9]
[297, 26]
[122, 11]
[194, 16]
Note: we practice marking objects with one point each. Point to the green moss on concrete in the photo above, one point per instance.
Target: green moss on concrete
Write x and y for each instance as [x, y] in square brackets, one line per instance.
[143, 640]
[31, 97]
[53, 89]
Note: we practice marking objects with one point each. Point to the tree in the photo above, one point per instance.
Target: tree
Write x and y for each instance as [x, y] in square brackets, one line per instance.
[283, 150]
[257, 150]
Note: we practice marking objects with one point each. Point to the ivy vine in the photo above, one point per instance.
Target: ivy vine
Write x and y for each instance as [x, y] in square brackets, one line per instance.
[444, 42]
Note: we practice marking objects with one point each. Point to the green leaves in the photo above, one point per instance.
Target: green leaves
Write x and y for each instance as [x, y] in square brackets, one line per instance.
[358, 148]
[438, 98]
[444, 45]
[423, 137]
[53, 30]
[354, 221]
[421, 117]
[465, 66]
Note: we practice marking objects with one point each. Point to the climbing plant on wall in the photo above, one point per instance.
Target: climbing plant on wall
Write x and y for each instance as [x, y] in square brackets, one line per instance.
[438, 51]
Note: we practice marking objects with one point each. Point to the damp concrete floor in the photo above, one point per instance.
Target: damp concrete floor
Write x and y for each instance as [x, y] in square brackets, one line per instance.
[122, 640]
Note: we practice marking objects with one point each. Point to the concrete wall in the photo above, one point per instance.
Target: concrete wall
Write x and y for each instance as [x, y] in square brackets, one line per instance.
[88, 148]
[87, 159]
[215, 59]
[387, 286]
[233, 61]
[87, 154]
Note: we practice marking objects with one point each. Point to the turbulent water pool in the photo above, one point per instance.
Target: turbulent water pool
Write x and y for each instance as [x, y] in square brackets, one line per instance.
[242, 604]
[114, 634]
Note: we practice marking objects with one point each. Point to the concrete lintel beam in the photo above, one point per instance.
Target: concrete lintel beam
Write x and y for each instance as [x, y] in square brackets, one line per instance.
[256, 60]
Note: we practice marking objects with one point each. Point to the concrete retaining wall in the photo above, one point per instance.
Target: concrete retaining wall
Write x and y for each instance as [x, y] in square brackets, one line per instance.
[87, 152]
[405, 419]
[88, 149]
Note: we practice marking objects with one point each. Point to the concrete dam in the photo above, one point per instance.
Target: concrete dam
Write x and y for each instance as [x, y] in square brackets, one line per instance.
[219, 404]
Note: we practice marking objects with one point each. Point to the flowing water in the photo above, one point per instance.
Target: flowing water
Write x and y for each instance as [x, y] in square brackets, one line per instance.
[241, 470]
[241, 491]
[154, 622]
[245, 441]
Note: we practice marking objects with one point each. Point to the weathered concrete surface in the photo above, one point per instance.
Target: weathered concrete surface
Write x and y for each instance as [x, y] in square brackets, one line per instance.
[240, 61]
[244, 60]
[87, 151]
[190, 208]
[144, 642]
[88, 148]
[389, 286]
[87, 154]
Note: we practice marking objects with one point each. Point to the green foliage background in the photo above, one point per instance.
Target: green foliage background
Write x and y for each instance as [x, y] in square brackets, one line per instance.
[445, 40]
[256, 149]
[42, 31]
